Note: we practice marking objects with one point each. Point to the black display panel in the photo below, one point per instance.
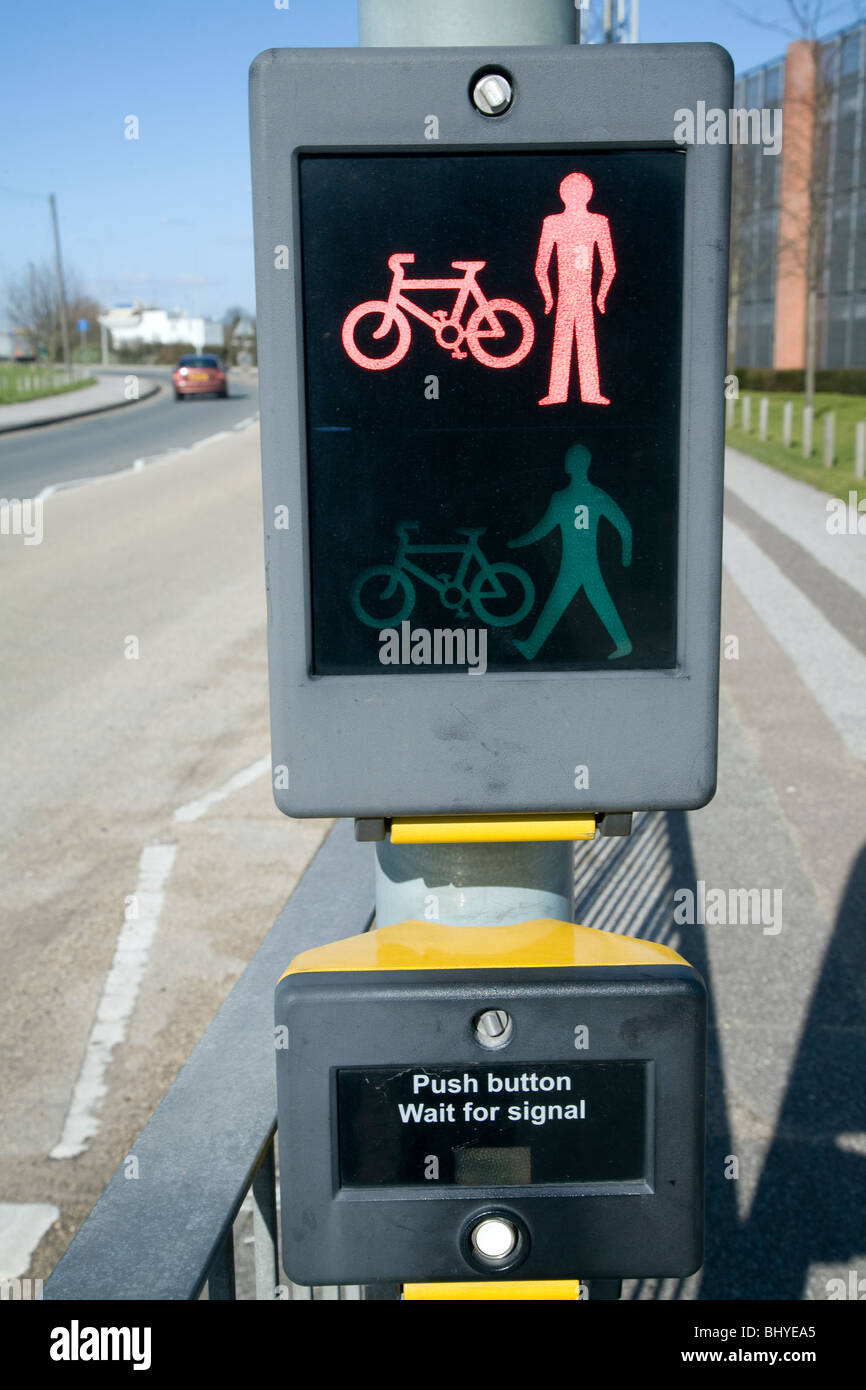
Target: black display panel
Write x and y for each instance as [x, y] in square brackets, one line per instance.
[493, 482]
[518, 1124]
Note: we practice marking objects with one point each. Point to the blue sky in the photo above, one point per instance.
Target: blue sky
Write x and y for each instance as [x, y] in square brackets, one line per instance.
[166, 218]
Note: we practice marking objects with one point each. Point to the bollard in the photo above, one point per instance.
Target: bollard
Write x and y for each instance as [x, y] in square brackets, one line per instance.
[808, 417]
[860, 449]
[763, 417]
[730, 409]
[747, 414]
[787, 423]
[829, 438]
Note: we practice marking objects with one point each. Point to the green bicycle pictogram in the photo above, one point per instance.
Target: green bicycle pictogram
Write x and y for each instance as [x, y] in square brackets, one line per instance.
[498, 594]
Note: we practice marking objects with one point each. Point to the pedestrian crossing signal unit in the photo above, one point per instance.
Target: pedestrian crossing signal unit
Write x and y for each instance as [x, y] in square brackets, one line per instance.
[507, 1103]
[492, 360]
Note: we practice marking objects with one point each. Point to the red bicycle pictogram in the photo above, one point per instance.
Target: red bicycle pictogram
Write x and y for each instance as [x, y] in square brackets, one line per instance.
[484, 323]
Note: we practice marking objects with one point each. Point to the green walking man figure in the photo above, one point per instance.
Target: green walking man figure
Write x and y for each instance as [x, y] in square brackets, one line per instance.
[577, 510]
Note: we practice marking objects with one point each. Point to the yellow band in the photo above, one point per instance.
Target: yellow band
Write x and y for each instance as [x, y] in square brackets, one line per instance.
[458, 830]
[522, 1289]
[517, 945]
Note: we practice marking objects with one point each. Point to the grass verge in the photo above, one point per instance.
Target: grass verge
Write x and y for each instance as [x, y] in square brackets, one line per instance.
[26, 382]
[838, 480]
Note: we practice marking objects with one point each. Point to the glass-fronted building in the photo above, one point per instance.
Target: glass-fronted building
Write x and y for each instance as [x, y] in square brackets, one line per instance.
[771, 210]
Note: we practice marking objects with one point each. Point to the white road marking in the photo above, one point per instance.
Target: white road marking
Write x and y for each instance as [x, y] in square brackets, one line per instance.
[52, 488]
[118, 998]
[140, 463]
[830, 667]
[194, 810]
[22, 1226]
[211, 438]
[127, 971]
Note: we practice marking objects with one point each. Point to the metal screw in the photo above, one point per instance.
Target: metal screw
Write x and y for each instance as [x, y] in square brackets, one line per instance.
[493, 1028]
[492, 94]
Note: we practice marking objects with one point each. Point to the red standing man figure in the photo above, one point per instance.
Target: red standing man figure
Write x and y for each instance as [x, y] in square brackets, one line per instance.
[575, 234]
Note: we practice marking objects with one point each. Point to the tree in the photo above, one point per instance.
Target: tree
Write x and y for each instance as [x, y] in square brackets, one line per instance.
[231, 319]
[31, 305]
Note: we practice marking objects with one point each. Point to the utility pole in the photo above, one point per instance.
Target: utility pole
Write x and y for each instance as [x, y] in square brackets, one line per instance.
[61, 288]
[471, 884]
[33, 312]
[620, 21]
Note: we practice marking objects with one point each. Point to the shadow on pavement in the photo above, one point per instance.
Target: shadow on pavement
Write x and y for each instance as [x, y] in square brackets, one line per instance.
[808, 1207]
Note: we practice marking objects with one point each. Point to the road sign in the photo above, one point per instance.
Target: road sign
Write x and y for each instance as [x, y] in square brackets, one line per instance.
[83, 325]
[492, 354]
[506, 1073]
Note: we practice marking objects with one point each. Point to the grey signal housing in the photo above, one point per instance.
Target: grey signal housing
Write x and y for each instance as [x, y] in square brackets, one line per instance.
[439, 740]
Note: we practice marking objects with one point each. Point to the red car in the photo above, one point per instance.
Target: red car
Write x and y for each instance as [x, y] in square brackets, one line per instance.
[199, 376]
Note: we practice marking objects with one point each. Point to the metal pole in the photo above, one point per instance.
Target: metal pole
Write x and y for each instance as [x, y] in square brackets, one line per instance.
[474, 885]
[485, 884]
[462, 23]
[61, 289]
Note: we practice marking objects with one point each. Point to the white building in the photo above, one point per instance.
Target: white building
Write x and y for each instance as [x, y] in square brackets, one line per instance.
[134, 322]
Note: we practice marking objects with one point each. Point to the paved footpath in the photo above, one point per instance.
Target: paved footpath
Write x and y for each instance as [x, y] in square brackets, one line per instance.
[786, 1150]
[110, 393]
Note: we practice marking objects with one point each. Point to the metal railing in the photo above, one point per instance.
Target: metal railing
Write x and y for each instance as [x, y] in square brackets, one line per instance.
[206, 1186]
[164, 1226]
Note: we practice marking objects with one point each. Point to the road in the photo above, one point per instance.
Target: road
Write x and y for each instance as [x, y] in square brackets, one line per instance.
[135, 678]
[31, 460]
[134, 718]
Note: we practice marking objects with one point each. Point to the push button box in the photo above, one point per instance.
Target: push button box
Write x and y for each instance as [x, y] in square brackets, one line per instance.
[522, 1102]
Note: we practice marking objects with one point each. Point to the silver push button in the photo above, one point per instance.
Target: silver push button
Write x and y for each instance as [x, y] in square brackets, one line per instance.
[494, 1238]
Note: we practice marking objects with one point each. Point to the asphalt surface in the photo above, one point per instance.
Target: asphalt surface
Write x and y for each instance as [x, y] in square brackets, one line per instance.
[33, 459]
[104, 741]
[135, 667]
